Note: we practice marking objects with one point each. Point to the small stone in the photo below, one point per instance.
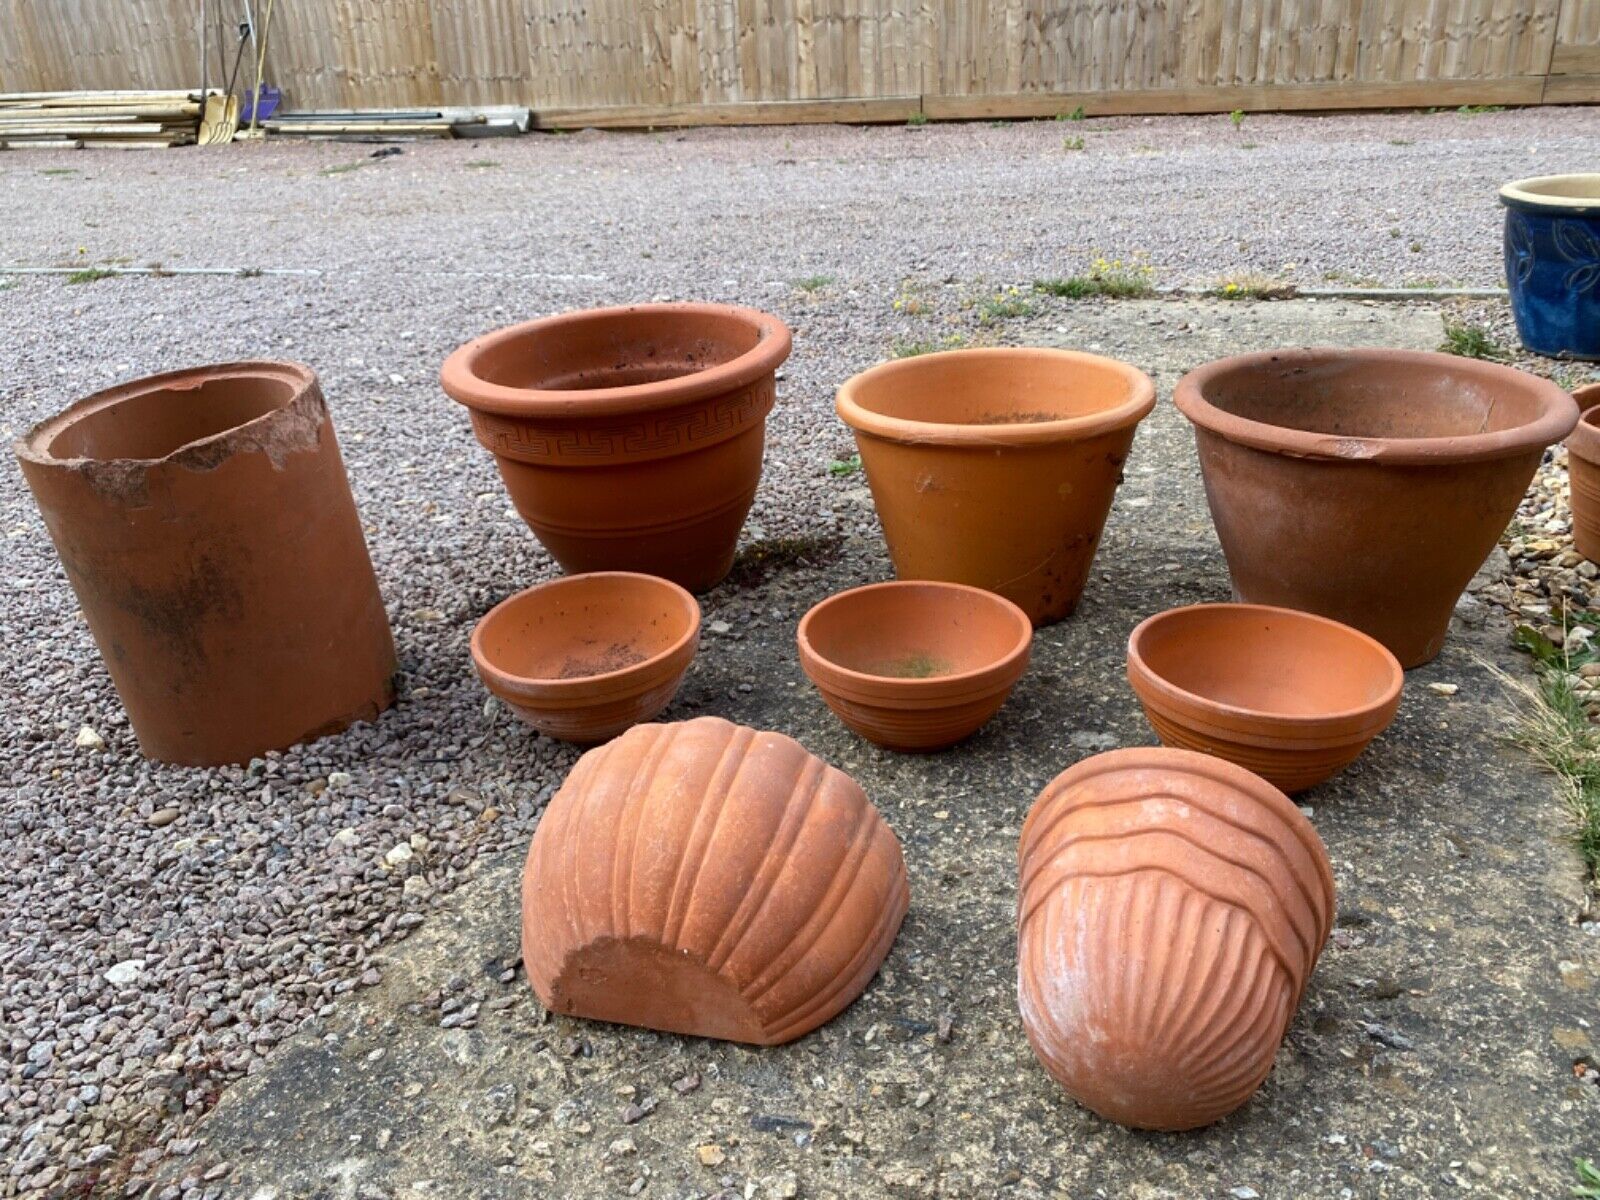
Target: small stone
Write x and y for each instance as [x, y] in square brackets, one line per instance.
[711, 1155]
[688, 1083]
[1088, 739]
[1244, 1193]
[161, 818]
[345, 839]
[399, 855]
[216, 1172]
[88, 739]
[125, 972]
[371, 977]
[624, 1145]
[784, 1187]
[338, 779]
[635, 1113]
[720, 627]
[946, 1028]
[1444, 689]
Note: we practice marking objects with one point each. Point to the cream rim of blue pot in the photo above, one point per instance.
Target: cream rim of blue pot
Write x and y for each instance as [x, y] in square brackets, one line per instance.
[1567, 193]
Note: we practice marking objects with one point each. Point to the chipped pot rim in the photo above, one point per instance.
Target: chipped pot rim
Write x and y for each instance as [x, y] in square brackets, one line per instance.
[584, 690]
[1141, 399]
[1340, 726]
[1000, 674]
[34, 446]
[461, 382]
[1534, 193]
[1557, 415]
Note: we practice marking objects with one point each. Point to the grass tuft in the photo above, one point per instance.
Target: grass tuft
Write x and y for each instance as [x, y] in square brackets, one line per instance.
[911, 348]
[841, 468]
[813, 283]
[482, 164]
[1076, 114]
[1474, 110]
[1237, 117]
[756, 561]
[1551, 722]
[1467, 340]
[917, 119]
[1004, 306]
[1072, 143]
[1252, 286]
[1588, 1179]
[344, 168]
[90, 275]
[1118, 278]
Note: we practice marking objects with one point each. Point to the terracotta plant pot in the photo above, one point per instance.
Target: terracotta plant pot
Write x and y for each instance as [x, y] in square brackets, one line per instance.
[1583, 472]
[1367, 485]
[585, 657]
[915, 666]
[1291, 696]
[630, 438]
[206, 524]
[709, 880]
[1171, 909]
[1552, 256]
[996, 468]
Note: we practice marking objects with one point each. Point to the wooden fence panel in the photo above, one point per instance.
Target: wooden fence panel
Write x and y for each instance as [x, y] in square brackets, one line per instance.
[620, 60]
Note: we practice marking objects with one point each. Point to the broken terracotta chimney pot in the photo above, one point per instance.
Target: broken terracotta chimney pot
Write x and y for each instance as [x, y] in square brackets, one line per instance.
[1367, 485]
[630, 439]
[1171, 909]
[206, 524]
[706, 879]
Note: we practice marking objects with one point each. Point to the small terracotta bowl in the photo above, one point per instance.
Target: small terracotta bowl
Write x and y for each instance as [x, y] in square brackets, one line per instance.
[585, 657]
[915, 665]
[1291, 696]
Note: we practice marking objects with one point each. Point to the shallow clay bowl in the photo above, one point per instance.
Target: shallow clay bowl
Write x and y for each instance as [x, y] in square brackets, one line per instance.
[915, 665]
[1291, 696]
[585, 657]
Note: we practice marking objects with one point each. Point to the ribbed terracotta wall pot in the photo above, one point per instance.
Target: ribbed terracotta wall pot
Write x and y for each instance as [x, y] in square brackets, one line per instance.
[1583, 472]
[206, 524]
[711, 880]
[1367, 485]
[996, 468]
[1171, 909]
[630, 439]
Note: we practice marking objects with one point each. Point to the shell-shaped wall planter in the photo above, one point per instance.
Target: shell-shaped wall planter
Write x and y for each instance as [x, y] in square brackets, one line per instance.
[707, 879]
[1171, 908]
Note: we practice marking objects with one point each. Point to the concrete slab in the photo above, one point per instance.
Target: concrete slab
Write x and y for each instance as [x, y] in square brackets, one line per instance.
[1433, 1055]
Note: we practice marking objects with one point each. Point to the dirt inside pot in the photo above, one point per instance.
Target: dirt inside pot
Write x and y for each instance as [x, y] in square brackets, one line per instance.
[910, 633]
[151, 425]
[617, 349]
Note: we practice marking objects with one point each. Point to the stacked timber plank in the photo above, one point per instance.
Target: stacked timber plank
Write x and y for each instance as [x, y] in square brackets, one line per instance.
[121, 119]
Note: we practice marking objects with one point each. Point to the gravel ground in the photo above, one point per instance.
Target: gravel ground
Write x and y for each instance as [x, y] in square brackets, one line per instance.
[165, 928]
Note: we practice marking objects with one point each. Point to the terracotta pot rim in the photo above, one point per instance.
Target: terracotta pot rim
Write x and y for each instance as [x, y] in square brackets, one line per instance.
[1359, 723]
[461, 382]
[587, 690]
[1584, 441]
[1531, 193]
[1556, 419]
[1191, 762]
[34, 446]
[1141, 400]
[997, 676]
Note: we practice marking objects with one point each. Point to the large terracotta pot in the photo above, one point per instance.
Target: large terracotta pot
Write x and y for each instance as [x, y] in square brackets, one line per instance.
[630, 439]
[1367, 485]
[206, 524]
[1583, 472]
[706, 879]
[1171, 909]
[996, 468]
[1552, 257]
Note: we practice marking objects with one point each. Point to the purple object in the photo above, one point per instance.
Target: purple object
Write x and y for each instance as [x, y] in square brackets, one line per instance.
[271, 97]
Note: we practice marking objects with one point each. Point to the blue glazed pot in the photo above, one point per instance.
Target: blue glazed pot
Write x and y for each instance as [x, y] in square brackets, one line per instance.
[1552, 250]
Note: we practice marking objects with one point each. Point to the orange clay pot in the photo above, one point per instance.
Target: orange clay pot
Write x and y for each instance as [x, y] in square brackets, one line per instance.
[996, 467]
[1583, 472]
[629, 438]
[709, 880]
[915, 666]
[1291, 696]
[1367, 485]
[585, 657]
[206, 525]
[1171, 909]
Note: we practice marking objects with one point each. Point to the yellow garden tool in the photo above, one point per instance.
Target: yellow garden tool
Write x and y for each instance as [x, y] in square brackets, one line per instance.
[221, 116]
